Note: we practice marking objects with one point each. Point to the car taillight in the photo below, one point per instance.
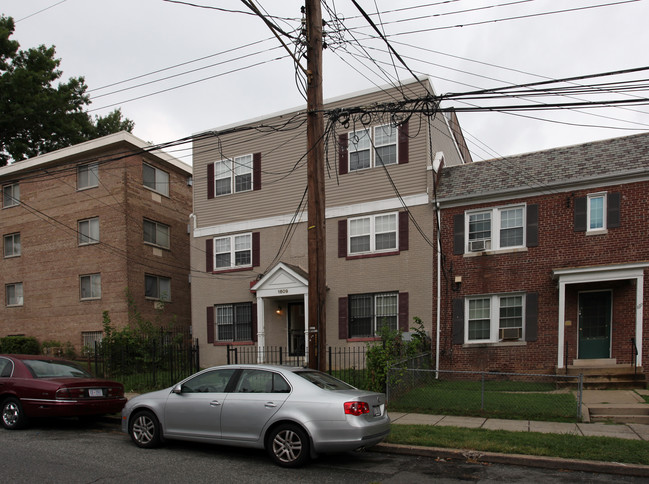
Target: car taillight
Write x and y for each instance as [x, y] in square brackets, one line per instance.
[356, 408]
[70, 393]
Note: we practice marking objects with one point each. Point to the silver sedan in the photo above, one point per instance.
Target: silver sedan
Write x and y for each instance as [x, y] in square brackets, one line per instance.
[293, 413]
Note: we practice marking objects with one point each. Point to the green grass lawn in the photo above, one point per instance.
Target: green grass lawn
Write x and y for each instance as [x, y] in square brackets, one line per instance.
[605, 449]
[512, 400]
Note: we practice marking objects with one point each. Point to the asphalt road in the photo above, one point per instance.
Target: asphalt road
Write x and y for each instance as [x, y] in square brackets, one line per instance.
[69, 451]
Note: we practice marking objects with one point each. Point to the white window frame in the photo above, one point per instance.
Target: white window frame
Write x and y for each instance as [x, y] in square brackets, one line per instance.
[17, 298]
[158, 234]
[494, 318]
[372, 233]
[86, 235]
[160, 182]
[494, 242]
[94, 287]
[373, 143]
[16, 249]
[375, 316]
[226, 315]
[233, 170]
[162, 294]
[87, 176]
[592, 197]
[88, 340]
[232, 244]
[10, 195]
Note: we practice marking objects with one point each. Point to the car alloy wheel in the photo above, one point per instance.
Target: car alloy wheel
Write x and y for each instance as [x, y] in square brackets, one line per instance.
[145, 429]
[289, 446]
[12, 414]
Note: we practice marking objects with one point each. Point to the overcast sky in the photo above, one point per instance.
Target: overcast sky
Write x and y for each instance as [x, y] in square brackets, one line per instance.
[459, 46]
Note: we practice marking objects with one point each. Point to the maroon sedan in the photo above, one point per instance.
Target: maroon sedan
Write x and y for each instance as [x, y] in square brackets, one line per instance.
[41, 386]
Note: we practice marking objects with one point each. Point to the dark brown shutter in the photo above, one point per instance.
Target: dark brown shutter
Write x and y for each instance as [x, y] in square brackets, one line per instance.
[612, 210]
[458, 234]
[580, 214]
[210, 324]
[403, 231]
[458, 321]
[253, 337]
[403, 312]
[255, 249]
[256, 171]
[531, 316]
[209, 255]
[342, 238]
[532, 226]
[210, 180]
[342, 318]
[343, 157]
[403, 143]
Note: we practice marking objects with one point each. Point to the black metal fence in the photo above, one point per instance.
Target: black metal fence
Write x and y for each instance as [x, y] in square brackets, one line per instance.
[414, 387]
[344, 362]
[146, 363]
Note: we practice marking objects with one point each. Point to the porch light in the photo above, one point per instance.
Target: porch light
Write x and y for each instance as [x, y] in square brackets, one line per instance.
[279, 310]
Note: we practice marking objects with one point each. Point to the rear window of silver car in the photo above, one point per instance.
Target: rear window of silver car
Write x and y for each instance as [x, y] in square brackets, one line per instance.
[323, 380]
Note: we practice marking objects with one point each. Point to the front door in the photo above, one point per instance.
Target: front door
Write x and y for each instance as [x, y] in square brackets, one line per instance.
[296, 329]
[595, 324]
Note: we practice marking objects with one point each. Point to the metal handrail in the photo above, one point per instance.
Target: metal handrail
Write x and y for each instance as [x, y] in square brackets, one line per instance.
[634, 356]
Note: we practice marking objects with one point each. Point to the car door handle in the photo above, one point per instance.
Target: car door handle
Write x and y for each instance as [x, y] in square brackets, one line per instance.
[270, 405]
[215, 403]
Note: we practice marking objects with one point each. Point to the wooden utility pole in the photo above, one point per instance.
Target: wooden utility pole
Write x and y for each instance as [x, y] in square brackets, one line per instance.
[316, 191]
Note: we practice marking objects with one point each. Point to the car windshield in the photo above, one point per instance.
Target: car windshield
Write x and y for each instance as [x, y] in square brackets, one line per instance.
[323, 380]
[55, 369]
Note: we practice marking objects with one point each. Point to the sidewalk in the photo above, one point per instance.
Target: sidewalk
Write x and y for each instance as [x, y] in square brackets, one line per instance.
[590, 398]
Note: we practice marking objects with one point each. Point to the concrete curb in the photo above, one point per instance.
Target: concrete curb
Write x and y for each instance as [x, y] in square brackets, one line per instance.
[516, 459]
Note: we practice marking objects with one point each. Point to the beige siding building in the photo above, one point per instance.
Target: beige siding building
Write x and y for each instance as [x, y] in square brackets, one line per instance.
[249, 244]
[82, 225]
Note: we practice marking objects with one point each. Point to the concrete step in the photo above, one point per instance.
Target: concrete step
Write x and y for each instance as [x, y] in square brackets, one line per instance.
[605, 370]
[619, 413]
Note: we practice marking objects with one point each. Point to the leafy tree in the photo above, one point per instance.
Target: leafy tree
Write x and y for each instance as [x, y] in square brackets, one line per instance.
[38, 117]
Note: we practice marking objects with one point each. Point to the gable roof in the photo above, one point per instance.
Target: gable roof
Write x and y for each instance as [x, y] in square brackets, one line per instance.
[615, 160]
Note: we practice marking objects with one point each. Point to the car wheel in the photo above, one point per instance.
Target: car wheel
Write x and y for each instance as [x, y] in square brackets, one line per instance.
[144, 430]
[12, 414]
[288, 445]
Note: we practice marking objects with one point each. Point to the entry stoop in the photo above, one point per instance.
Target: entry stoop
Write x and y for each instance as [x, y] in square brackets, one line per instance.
[606, 374]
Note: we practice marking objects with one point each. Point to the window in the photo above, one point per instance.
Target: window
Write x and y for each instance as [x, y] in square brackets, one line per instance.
[156, 233]
[155, 179]
[10, 195]
[376, 233]
[90, 286]
[12, 245]
[87, 176]
[373, 147]
[494, 318]
[509, 232]
[368, 313]
[88, 231]
[233, 176]
[213, 381]
[14, 294]
[156, 287]
[596, 212]
[90, 339]
[234, 322]
[233, 251]
[261, 381]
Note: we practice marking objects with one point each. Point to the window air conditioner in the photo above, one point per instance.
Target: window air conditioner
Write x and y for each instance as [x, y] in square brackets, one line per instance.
[510, 333]
[479, 245]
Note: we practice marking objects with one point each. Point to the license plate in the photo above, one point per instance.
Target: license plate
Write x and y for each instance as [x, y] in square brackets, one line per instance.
[95, 392]
[377, 411]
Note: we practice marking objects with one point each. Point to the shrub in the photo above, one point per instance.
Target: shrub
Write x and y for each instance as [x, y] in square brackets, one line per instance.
[20, 345]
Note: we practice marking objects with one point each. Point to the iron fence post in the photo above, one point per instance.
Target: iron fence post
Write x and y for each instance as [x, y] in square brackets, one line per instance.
[580, 396]
[482, 394]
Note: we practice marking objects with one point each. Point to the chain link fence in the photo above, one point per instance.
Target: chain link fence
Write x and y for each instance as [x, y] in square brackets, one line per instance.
[415, 388]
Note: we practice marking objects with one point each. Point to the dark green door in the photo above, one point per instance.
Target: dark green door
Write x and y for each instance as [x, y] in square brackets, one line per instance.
[595, 324]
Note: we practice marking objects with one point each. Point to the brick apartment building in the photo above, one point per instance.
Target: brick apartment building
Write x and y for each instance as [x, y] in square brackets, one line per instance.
[249, 245]
[80, 226]
[544, 260]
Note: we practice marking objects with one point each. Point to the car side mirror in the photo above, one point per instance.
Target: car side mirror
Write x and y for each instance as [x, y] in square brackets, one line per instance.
[178, 389]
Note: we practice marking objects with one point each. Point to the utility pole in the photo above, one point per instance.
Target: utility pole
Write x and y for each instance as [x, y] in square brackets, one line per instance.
[316, 191]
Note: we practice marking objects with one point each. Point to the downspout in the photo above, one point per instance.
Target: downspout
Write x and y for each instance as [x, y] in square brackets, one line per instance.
[439, 289]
